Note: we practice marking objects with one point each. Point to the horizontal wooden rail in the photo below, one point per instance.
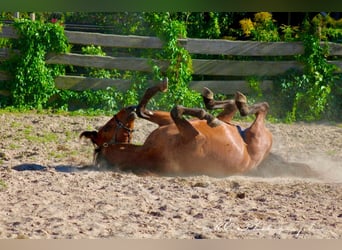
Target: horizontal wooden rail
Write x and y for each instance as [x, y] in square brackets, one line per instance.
[237, 68]
[200, 67]
[193, 45]
[79, 83]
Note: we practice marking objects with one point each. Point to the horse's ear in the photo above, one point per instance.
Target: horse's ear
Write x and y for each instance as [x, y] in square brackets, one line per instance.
[89, 134]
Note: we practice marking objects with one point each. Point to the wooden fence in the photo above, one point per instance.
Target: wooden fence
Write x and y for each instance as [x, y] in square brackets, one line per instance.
[258, 64]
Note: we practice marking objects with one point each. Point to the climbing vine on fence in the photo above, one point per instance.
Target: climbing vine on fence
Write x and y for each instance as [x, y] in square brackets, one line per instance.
[308, 92]
[33, 84]
[179, 71]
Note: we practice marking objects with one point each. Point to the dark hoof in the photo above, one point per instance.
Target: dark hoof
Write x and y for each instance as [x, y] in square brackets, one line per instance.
[176, 112]
[143, 113]
[207, 93]
[243, 108]
[241, 103]
[214, 123]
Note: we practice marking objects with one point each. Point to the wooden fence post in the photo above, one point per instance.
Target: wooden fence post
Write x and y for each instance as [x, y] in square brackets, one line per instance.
[33, 16]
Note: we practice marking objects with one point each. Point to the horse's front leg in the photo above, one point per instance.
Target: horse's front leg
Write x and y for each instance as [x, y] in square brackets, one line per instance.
[159, 117]
[230, 106]
[149, 93]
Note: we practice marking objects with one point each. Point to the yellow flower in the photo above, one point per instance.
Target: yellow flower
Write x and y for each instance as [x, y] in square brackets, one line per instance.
[246, 26]
[262, 17]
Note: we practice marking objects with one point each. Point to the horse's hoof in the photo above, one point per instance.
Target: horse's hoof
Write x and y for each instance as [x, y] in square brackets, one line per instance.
[241, 103]
[143, 113]
[214, 123]
[207, 93]
[243, 108]
[239, 97]
[176, 112]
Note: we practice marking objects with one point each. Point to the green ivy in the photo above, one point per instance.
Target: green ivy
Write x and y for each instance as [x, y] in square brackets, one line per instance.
[107, 100]
[95, 72]
[33, 83]
[179, 71]
[308, 92]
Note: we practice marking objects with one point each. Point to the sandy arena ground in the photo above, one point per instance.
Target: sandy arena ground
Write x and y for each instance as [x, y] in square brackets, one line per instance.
[297, 193]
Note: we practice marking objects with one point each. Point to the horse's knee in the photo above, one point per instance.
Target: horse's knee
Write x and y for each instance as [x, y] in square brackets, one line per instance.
[176, 112]
[262, 107]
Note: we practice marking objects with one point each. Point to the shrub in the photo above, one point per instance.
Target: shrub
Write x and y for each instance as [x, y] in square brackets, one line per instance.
[33, 84]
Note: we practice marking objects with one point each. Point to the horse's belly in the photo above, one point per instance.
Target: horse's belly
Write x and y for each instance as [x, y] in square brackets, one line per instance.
[217, 161]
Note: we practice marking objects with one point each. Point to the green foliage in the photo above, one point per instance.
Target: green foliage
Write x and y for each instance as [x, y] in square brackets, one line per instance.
[262, 28]
[179, 71]
[328, 28]
[308, 92]
[33, 84]
[290, 33]
[123, 23]
[254, 84]
[308, 95]
[3, 185]
[95, 72]
[107, 100]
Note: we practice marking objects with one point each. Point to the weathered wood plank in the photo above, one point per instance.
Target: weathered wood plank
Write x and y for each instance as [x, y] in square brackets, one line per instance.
[193, 45]
[338, 64]
[229, 87]
[8, 32]
[6, 53]
[119, 41]
[242, 68]
[106, 62]
[335, 49]
[4, 76]
[250, 48]
[4, 92]
[201, 67]
[241, 48]
[79, 83]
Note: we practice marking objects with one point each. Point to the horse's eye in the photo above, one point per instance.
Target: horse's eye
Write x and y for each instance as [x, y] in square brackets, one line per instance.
[130, 108]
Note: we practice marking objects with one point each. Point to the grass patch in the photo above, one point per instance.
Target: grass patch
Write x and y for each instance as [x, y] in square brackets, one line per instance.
[14, 146]
[70, 135]
[44, 138]
[331, 152]
[61, 154]
[16, 124]
[3, 185]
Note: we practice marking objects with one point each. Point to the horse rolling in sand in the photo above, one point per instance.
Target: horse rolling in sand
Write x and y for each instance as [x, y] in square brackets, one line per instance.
[204, 145]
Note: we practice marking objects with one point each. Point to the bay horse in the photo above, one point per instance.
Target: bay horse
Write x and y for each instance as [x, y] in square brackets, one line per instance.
[206, 145]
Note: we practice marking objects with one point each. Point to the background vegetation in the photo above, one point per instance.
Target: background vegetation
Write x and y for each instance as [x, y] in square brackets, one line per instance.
[314, 94]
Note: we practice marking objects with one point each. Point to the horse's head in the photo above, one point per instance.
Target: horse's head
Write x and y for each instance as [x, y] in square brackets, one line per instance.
[117, 130]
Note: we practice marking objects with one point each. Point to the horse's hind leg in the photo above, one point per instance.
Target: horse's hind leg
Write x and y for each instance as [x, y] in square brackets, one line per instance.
[209, 101]
[258, 108]
[229, 106]
[258, 137]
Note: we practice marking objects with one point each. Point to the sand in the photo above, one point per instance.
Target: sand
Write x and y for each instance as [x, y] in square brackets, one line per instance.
[296, 194]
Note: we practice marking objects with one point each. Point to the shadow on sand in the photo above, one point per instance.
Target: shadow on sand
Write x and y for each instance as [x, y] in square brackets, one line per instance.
[59, 168]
